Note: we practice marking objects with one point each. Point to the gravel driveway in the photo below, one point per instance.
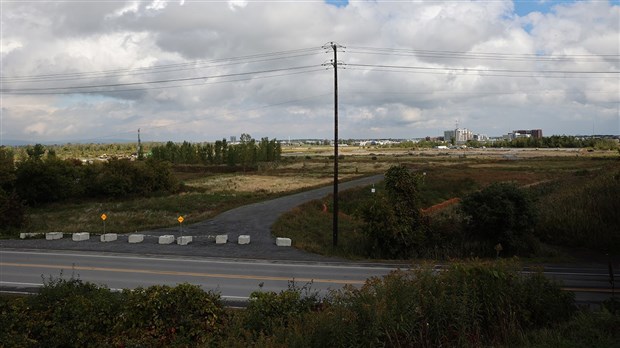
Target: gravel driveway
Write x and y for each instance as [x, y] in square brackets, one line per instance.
[254, 220]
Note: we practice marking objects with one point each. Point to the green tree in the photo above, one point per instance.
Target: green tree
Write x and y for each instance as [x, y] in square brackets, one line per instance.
[7, 168]
[36, 152]
[46, 181]
[393, 224]
[500, 213]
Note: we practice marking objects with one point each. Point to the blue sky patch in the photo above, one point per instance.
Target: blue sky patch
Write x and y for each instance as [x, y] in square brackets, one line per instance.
[523, 7]
[338, 3]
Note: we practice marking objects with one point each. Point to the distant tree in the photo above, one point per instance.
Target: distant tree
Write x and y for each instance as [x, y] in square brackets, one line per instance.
[7, 168]
[46, 181]
[35, 152]
[217, 152]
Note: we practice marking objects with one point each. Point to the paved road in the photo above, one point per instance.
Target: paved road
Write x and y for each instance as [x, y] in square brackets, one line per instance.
[254, 220]
[22, 270]
[234, 279]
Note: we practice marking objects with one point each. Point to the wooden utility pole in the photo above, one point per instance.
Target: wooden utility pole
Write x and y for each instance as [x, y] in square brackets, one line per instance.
[335, 63]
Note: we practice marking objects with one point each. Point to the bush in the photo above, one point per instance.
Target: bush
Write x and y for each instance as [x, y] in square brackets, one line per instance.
[393, 220]
[466, 305]
[582, 212]
[12, 212]
[500, 213]
[71, 313]
[51, 180]
[267, 311]
[160, 316]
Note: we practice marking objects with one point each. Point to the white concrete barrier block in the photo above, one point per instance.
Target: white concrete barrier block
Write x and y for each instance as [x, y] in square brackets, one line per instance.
[184, 240]
[109, 237]
[25, 235]
[53, 235]
[221, 239]
[136, 238]
[166, 239]
[81, 236]
[244, 239]
[283, 242]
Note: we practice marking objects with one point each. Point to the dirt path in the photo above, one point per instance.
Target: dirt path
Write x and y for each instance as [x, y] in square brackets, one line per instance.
[254, 220]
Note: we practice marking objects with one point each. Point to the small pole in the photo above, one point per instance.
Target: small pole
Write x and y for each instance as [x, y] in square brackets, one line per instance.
[180, 220]
[103, 218]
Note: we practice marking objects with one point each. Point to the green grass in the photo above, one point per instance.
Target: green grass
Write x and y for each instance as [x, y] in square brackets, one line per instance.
[447, 177]
[137, 214]
[577, 199]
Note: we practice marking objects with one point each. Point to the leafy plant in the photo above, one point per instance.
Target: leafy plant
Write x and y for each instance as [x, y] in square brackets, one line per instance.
[393, 220]
[500, 213]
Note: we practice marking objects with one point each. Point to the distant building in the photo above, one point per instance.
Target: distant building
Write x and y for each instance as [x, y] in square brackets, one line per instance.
[481, 137]
[462, 135]
[522, 133]
[449, 135]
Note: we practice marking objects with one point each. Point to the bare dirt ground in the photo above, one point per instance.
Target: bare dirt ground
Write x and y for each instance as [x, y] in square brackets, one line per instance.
[260, 183]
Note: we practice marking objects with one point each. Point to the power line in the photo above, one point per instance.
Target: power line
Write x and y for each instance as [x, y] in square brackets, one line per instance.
[165, 87]
[485, 70]
[481, 55]
[477, 72]
[77, 89]
[165, 67]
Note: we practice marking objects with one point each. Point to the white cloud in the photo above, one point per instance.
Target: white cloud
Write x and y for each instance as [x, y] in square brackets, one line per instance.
[61, 38]
[234, 5]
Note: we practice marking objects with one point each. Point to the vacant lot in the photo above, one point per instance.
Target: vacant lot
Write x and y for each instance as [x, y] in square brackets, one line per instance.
[449, 173]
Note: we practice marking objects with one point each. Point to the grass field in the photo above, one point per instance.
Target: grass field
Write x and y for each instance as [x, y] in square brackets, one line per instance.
[449, 173]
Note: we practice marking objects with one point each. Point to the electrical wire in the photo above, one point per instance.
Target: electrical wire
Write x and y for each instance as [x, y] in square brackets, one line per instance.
[77, 89]
[481, 55]
[165, 87]
[166, 67]
[479, 72]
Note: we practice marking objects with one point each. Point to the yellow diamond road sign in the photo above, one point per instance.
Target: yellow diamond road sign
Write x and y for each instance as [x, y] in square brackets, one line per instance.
[180, 219]
[103, 217]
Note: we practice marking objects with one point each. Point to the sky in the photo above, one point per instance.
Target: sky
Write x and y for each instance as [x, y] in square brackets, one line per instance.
[97, 71]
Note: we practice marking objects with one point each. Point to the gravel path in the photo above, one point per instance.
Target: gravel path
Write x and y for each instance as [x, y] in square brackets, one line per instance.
[254, 220]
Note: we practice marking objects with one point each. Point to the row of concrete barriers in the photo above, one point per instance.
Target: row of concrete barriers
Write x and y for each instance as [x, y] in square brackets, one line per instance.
[139, 238]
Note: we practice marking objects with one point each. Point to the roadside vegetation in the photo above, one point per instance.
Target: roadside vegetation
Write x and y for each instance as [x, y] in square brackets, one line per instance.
[474, 304]
[529, 208]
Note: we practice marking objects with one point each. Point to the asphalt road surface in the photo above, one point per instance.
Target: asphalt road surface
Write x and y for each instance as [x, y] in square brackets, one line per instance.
[26, 270]
[234, 279]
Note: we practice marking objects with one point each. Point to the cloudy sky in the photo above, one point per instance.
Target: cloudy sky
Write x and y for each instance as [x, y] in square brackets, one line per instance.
[203, 70]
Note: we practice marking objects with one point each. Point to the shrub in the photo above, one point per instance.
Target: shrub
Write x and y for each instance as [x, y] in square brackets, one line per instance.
[393, 220]
[466, 305]
[500, 213]
[582, 212]
[183, 315]
[71, 313]
[51, 180]
[12, 212]
[267, 311]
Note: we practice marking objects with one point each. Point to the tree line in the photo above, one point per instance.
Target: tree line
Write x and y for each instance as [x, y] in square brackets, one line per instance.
[555, 141]
[247, 153]
[45, 178]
